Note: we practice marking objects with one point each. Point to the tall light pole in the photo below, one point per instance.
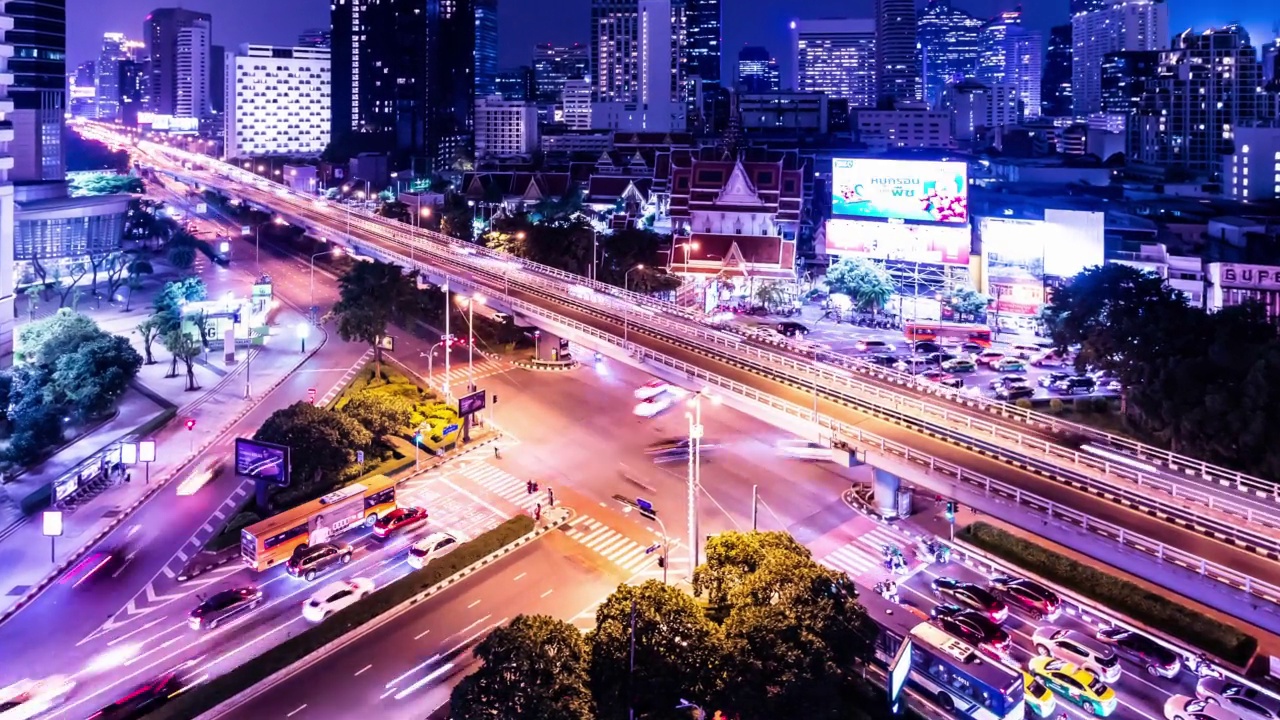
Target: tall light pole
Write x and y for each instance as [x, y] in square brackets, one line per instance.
[626, 279]
[695, 471]
[595, 239]
[423, 212]
[335, 250]
[471, 338]
[448, 310]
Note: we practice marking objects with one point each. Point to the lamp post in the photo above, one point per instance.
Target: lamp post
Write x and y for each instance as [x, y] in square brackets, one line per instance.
[695, 471]
[447, 336]
[595, 240]
[303, 330]
[417, 226]
[430, 354]
[689, 247]
[336, 250]
[471, 338]
[626, 279]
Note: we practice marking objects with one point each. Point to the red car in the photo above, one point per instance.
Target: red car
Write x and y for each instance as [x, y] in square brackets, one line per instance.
[397, 520]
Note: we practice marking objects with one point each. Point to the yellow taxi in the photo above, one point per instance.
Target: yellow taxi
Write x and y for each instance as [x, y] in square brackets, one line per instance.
[1039, 697]
[1074, 684]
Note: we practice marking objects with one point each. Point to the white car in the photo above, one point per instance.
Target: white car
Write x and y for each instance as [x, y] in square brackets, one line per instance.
[653, 388]
[1240, 700]
[431, 547]
[804, 450]
[1182, 707]
[32, 698]
[1078, 649]
[649, 407]
[335, 596]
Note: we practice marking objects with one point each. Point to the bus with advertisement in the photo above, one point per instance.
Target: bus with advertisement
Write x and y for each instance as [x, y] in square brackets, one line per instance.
[272, 541]
[946, 671]
[944, 331]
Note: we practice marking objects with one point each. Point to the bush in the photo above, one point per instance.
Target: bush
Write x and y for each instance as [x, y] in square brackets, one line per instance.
[1056, 407]
[1127, 598]
[1023, 403]
[203, 697]
[1082, 406]
[1101, 405]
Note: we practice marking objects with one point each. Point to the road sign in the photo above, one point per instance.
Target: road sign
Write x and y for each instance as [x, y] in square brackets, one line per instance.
[52, 523]
[450, 429]
[360, 456]
[652, 548]
[246, 230]
[311, 395]
[202, 208]
[387, 342]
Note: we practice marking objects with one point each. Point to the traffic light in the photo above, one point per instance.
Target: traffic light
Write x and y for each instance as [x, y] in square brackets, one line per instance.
[951, 509]
[191, 423]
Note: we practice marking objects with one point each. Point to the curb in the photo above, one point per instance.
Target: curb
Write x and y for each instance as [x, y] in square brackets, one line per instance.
[160, 483]
[285, 673]
[547, 365]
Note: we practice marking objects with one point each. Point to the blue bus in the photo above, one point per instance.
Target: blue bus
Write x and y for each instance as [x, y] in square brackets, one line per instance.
[950, 673]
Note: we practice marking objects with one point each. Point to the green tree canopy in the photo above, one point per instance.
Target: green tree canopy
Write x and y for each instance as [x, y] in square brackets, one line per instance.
[969, 304]
[732, 557]
[322, 442]
[92, 379]
[42, 342]
[535, 668]
[372, 296]
[866, 283]
[381, 414]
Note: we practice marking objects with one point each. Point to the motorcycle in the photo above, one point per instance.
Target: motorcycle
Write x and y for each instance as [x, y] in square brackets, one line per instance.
[888, 591]
[1201, 666]
[933, 550]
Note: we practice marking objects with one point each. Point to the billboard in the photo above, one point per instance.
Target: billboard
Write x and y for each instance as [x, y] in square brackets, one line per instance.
[343, 510]
[1023, 260]
[911, 190]
[936, 244]
[262, 461]
[471, 404]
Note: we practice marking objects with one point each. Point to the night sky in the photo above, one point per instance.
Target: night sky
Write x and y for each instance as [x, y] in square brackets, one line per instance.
[758, 22]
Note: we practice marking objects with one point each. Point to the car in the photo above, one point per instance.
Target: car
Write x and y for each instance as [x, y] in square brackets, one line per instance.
[1039, 697]
[882, 360]
[1046, 381]
[1241, 700]
[804, 449]
[1027, 596]
[911, 364]
[308, 561]
[937, 358]
[937, 376]
[503, 318]
[1026, 352]
[1050, 358]
[650, 407]
[926, 346]
[791, 328]
[143, 699]
[973, 348]
[223, 605]
[1184, 707]
[1079, 650]
[668, 446]
[989, 357]
[335, 596]
[959, 365]
[399, 520]
[1006, 381]
[971, 626]
[873, 346]
[1019, 391]
[1072, 385]
[29, 698]
[1009, 364]
[972, 596]
[653, 388]
[96, 565]
[1156, 659]
[1075, 685]
[430, 548]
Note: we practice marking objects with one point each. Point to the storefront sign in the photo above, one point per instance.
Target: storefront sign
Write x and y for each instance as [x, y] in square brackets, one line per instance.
[1249, 277]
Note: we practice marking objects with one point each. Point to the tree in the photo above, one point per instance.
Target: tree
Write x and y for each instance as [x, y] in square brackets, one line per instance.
[678, 651]
[372, 296]
[92, 379]
[866, 283]
[969, 304]
[771, 295]
[149, 330]
[168, 305]
[182, 257]
[380, 414]
[41, 343]
[323, 442]
[185, 348]
[67, 282]
[535, 668]
[36, 424]
[33, 301]
[732, 557]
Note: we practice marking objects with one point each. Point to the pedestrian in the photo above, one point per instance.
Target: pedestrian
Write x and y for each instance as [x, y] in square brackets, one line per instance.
[495, 452]
[551, 498]
[537, 512]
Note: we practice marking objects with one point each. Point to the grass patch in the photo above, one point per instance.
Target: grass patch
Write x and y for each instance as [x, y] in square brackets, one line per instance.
[1127, 598]
[204, 697]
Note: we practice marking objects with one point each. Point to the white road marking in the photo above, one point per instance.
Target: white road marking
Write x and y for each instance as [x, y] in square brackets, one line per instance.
[421, 634]
[301, 707]
[473, 604]
[520, 576]
[548, 592]
[361, 670]
[144, 627]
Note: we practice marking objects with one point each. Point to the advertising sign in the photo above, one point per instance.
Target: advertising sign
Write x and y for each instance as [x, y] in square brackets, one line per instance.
[1245, 277]
[52, 523]
[1024, 259]
[337, 517]
[262, 461]
[937, 244]
[471, 404]
[912, 190]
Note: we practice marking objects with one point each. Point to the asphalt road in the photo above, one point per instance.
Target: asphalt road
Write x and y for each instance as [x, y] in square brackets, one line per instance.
[406, 667]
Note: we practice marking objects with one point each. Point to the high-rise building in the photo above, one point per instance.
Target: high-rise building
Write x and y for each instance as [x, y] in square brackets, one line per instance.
[82, 91]
[107, 80]
[575, 103]
[701, 53]
[193, 71]
[315, 38]
[403, 77]
[1207, 85]
[637, 66]
[217, 78]
[1271, 60]
[516, 83]
[1082, 6]
[757, 71]
[1011, 55]
[949, 47]
[133, 91]
[505, 128]
[554, 65]
[278, 101]
[486, 77]
[7, 276]
[39, 89]
[1118, 26]
[1055, 84]
[836, 56]
[976, 108]
[1126, 77]
[160, 33]
[897, 62]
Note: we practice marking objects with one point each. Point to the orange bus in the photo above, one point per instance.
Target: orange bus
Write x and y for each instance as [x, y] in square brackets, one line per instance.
[273, 540]
[936, 331]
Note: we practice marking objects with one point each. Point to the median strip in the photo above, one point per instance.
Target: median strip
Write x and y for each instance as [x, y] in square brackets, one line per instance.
[219, 695]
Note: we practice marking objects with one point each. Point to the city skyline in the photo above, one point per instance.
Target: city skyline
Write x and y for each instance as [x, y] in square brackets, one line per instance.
[240, 21]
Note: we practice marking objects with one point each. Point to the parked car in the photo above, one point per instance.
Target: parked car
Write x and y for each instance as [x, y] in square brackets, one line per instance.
[925, 346]
[1050, 358]
[223, 606]
[937, 358]
[873, 346]
[989, 357]
[972, 596]
[911, 364]
[1078, 649]
[430, 548]
[1017, 391]
[1241, 700]
[1074, 685]
[398, 520]
[1184, 707]
[1009, 364]
[1027, 596]
[335, 596]
[1048, 380]
[971, 626]
[312, 560]
[959, 365]
[1148, 654]
[1073, 385]
[1006, 380]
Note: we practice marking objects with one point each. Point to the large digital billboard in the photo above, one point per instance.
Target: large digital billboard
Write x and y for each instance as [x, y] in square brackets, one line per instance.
[937, 244]
[262, 461]
[912, 190]
[1023, 260]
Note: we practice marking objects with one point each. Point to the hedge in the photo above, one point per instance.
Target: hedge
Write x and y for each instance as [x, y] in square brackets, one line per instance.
[1127, 598]
[204, 697]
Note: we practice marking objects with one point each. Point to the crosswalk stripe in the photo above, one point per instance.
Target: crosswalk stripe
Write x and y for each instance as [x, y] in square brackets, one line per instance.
[637, 553]
[613, 544]
[619, 550]
[595, 536]
[608, 536]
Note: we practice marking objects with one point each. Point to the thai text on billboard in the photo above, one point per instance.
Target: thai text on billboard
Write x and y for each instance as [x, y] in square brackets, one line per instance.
[937, 244]
[910, 190]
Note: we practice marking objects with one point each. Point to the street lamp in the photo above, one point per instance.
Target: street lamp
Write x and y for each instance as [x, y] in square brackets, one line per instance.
[335, 250]
[695, 470]
[647, 510]
[471, 338]
[423, 212]
[626, 279]
[303, 330]
[447, 336]
[689, 247]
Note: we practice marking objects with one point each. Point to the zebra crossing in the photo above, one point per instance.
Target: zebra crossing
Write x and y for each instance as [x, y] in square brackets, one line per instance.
[505, 485]
[625, 552]
[863, 558]
[459, 373]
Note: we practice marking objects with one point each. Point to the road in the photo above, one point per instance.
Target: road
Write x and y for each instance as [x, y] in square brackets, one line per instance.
[406, 667]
